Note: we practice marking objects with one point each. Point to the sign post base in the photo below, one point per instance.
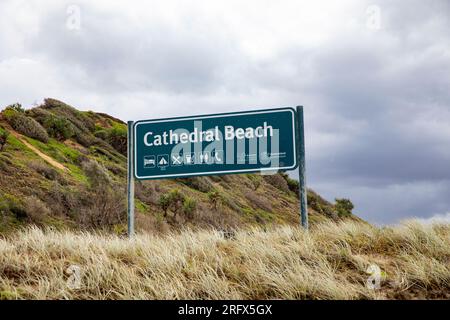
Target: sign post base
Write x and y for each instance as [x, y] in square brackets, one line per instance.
[130, 181]
[301, 168]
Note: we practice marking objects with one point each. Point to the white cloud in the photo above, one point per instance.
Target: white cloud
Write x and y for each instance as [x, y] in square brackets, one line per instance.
[438, 218]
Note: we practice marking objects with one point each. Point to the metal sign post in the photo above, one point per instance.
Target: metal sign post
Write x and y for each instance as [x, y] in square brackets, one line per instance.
[301, 168]
[130, 180]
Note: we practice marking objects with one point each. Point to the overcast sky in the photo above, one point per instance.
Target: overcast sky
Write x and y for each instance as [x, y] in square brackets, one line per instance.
[374, 78]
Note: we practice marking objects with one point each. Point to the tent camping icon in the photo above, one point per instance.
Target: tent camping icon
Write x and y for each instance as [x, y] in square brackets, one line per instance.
[163, 160]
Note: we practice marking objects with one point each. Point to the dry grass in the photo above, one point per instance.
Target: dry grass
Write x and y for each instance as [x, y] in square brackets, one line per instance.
[329, 262]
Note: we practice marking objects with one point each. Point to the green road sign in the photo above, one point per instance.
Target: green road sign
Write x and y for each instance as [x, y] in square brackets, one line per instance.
[215, 144]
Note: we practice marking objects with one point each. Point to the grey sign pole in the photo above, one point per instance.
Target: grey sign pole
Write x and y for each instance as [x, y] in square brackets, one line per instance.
[301, 168]
[130, 181]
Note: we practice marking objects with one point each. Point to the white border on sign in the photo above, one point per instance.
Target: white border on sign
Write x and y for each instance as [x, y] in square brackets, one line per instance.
[209, 117]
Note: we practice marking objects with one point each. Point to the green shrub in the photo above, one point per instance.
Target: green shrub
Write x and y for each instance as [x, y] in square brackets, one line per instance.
[3, 137]
[25, 125]
[320, 205]
[176, 199]
[103, 207]
[256, 180]
[293, 185]
[16, 107]
[176, 202]
[117, 138]
[215, 198]
[63, 121]
[164, 203]
[11, 205]
[232, 203]
[116, 169]
[58, 127]
[101, 152]
[35, 209]
[104, 201]
[78, 118]
[44, 170]
[102, 147]
[189, 206]
[38, 114]
[344, 207]
[140, 206]
[97, 174]
[18, 211]
[85, 139]
[202, 184]
[101, 134]
[258, 201]
[278, 181]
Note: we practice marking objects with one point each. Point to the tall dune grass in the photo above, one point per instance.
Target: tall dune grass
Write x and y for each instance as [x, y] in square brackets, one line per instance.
[328, 262]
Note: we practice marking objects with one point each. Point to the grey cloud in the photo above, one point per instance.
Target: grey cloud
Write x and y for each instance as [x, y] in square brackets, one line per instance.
[391, 94]
[120, 56]
[392, 203]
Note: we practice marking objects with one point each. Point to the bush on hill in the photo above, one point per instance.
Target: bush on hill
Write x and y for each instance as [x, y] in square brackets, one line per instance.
[3, 137]
[24, 124]
[344, 207]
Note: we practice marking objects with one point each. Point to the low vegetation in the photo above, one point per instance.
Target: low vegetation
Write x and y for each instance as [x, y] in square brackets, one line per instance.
[331, 261]
[3, 137]
[344, 207]
[17, 118]
[176, 202]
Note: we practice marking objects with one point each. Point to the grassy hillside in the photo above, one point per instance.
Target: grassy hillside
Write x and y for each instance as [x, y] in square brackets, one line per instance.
[329, 262]
[66, 168]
